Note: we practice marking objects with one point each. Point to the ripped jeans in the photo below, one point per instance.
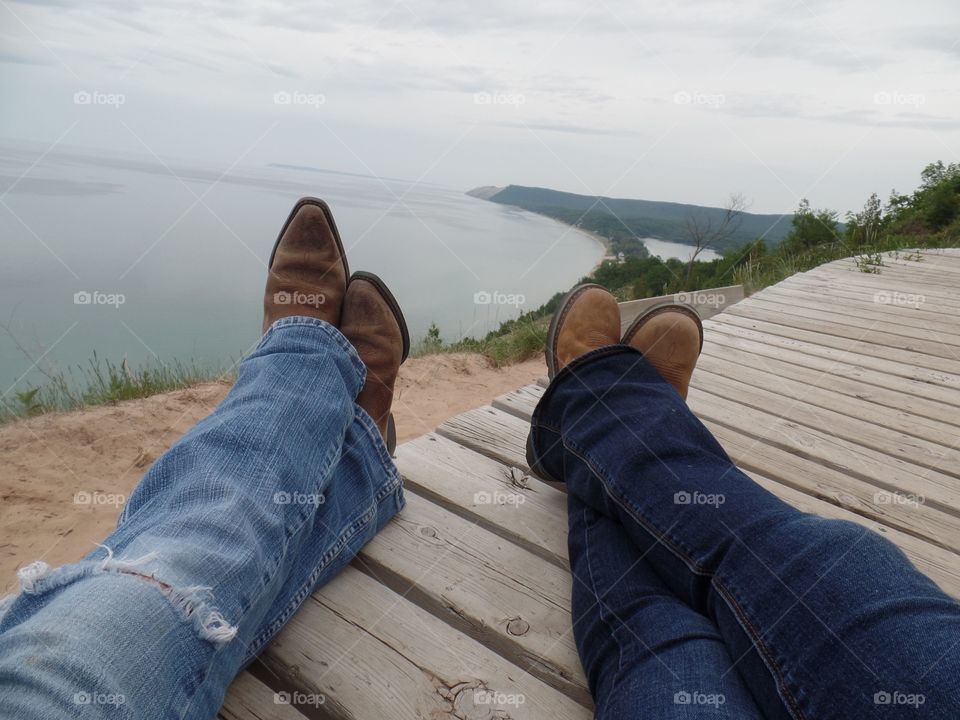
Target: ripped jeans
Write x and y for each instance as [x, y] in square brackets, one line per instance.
[227, 534]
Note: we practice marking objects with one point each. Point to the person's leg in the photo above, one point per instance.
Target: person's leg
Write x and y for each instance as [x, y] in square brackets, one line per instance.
[220, 543]
[231, 529]
[645, 653]
[823, 618]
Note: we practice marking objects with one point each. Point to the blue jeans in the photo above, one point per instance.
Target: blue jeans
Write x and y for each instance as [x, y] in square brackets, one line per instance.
[227, 534]
[698, 594]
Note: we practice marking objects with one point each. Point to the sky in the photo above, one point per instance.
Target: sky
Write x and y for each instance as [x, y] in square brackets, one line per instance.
[686, 101]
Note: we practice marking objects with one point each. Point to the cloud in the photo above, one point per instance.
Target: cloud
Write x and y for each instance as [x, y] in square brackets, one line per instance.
[19, 59]
[568, 128]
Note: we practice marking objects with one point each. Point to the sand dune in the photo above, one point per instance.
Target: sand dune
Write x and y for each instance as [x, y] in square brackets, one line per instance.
[65, 476]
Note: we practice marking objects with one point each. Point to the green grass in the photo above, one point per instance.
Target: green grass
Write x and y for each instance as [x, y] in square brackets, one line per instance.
[102, 382]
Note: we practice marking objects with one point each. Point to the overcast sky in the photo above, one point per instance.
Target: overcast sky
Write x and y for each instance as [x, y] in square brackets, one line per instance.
[686, 100]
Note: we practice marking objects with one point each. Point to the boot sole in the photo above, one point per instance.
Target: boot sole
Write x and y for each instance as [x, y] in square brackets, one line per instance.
[657, 309]
[328, 215]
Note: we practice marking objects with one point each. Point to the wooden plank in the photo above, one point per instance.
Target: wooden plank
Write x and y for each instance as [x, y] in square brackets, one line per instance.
[830, 498]
[506, 401]
[918, 274]
[947, 371]
[506, 598]
[496, 440]
[801, 466]
[743, 380]
[882, 282]
[372, 654]
[837, 483]
[896, 308]
[890, 262]
[707, 303]
[859, 305]
[906, 333]
[874, 469]
[452, 475]
[941, 264]
[930, 384]
[249, 699]
[839, 433]
[843, 379]
[879, 339]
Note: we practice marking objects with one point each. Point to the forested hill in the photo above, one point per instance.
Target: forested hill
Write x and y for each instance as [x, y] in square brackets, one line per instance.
[623, 221]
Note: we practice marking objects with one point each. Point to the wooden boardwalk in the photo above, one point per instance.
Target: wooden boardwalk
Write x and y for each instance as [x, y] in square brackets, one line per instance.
[838, 390]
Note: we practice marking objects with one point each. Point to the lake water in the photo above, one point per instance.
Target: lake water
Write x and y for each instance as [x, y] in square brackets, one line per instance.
[172, 256]
[665, 250]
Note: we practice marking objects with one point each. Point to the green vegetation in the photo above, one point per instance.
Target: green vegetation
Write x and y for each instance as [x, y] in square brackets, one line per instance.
[927, 218]
[102, 383]
[624, 222]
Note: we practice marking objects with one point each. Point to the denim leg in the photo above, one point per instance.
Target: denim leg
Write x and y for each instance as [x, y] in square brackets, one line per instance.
[226, 534]
[823, 619]
[645, 653]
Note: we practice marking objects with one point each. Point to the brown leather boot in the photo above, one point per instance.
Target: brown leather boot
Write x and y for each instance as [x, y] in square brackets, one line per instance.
[308, 269]
[670, 336]
[372, 321]
[587, 319]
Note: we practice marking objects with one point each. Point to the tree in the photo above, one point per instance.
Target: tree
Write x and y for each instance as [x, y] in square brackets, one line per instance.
[863, 228]
[709, 231]
[811, 228]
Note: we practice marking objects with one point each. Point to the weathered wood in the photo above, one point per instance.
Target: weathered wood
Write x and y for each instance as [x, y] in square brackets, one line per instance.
[452, 475]
[490, 432]
[249, 699]
[931, 353]
[768, 365]
[707, 303]
[882, 283]
[373, 654]
[931, 384]
[906, 333]
[827, 491]
[947, 371]
[888, 431]
[853, 306]
[506, 598]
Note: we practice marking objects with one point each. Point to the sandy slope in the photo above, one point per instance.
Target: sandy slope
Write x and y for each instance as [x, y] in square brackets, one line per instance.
[54, 463]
